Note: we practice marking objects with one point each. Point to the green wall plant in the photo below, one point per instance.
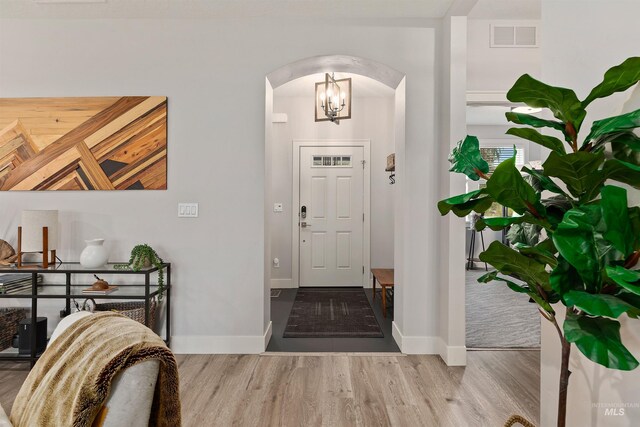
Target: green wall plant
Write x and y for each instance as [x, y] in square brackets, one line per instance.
[589, 246]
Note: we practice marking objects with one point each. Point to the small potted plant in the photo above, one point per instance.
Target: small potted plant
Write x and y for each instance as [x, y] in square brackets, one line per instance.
[144, 256]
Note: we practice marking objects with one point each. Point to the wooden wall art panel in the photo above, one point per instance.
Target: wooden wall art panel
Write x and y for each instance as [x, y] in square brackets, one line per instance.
[106, 143]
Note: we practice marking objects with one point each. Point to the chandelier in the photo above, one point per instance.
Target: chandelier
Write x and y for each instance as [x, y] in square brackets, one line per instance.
[333, 99]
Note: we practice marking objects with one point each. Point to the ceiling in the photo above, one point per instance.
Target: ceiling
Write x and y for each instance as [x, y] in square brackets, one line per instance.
[506, 9]
[361, 86]
[487, 115]
[223, 8]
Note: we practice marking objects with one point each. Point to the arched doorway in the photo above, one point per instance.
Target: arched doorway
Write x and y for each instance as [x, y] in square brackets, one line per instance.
[339, 64]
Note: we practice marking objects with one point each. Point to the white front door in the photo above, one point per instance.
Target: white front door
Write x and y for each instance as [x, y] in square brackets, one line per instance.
[331, 216]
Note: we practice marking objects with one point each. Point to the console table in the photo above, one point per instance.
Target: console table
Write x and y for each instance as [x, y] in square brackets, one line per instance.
[67, 291]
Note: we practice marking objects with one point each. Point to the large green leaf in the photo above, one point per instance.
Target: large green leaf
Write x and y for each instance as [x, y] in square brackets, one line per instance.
[500, 223]
[612, 125]
[628, 279]
[622, 172]
[598, 338]
[539, 254]
[616, 79]
[598, 304]
[634, 219]
[626, 147]
[565, 278]
[616, 218]
[579, 239]
[524, 234]
[528, 119]
[550, 142]
[563, 103]
[523, 289]
[546, 182]
[466, 158]
[513, 263]
[579, 171]
[463, 204]
[629, 298]
[508, 188]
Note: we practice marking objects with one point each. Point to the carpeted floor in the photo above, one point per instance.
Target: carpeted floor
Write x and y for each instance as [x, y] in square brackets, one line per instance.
[498, 317]
[331, 312]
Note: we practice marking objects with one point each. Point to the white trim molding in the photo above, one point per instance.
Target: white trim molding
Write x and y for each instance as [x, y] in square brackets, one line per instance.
[416, 344]
[267, 335]
[453, 355]
[209, 344]
[282, 284]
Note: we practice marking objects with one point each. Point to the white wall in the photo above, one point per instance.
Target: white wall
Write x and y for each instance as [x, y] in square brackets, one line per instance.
[372, 119]
[496, 69]
[581, 40]
[213, 73]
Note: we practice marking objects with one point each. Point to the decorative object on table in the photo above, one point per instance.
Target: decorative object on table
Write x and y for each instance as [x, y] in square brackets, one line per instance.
[18, 283]
[391, 167]
[99, 287]
[94, 255]
[132, 309]
[588, 258]
[38, 233]
[144, 256]
[7, 254]
[98, 143]
[333, 99]
[10, 319]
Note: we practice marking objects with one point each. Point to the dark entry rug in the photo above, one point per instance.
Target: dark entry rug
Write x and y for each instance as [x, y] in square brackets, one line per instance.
[318, 313]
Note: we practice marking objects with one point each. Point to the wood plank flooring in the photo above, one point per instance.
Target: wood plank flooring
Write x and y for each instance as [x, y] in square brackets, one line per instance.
[347, 390]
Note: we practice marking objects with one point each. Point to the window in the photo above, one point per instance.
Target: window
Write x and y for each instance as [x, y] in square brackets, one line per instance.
[331, 161]
[494, 155]
[495, 152]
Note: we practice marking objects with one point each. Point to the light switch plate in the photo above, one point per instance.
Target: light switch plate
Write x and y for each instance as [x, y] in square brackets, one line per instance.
[187, 210]
[277, 207]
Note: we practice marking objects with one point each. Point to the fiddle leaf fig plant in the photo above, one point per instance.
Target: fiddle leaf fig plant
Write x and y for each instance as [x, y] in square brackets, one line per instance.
[586, 252]
[143, 256]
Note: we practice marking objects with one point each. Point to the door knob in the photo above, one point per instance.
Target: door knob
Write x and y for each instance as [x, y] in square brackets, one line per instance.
[304, 224]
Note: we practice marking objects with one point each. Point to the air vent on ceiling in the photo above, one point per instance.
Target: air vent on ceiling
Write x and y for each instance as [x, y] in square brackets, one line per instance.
[505, 35]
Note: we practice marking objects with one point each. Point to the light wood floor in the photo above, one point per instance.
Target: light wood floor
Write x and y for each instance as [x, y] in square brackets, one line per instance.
[347, 390]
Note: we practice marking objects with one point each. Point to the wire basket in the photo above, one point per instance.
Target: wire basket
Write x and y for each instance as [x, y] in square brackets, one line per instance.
[9, 322]
[132, 309]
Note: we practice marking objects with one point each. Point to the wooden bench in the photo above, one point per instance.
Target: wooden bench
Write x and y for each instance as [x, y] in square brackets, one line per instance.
[384, 277]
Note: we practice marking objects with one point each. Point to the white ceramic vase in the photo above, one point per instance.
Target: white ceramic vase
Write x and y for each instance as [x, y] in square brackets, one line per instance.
[94, 254]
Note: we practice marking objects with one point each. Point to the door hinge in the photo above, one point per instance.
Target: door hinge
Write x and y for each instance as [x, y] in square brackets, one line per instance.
[363, 162]
[362, 217]
[363, 269]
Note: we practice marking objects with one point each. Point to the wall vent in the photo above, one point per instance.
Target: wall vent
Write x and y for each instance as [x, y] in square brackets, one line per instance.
[510, 35]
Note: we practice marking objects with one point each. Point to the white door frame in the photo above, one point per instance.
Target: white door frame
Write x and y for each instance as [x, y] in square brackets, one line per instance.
[366, 237]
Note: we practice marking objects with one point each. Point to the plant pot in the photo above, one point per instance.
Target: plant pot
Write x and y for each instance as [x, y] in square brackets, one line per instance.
[94, 255]
[146, 262]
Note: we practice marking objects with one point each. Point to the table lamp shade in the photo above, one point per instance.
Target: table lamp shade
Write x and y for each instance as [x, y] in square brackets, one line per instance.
[32, 223]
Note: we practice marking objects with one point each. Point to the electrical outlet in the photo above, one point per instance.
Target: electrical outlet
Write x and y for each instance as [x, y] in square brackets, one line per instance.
[277, 207]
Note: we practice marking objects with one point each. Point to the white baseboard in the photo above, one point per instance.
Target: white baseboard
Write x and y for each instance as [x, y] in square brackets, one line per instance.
[207, 344]
[415, 344]
[453, 355]
[267, 335]
[282, 284]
